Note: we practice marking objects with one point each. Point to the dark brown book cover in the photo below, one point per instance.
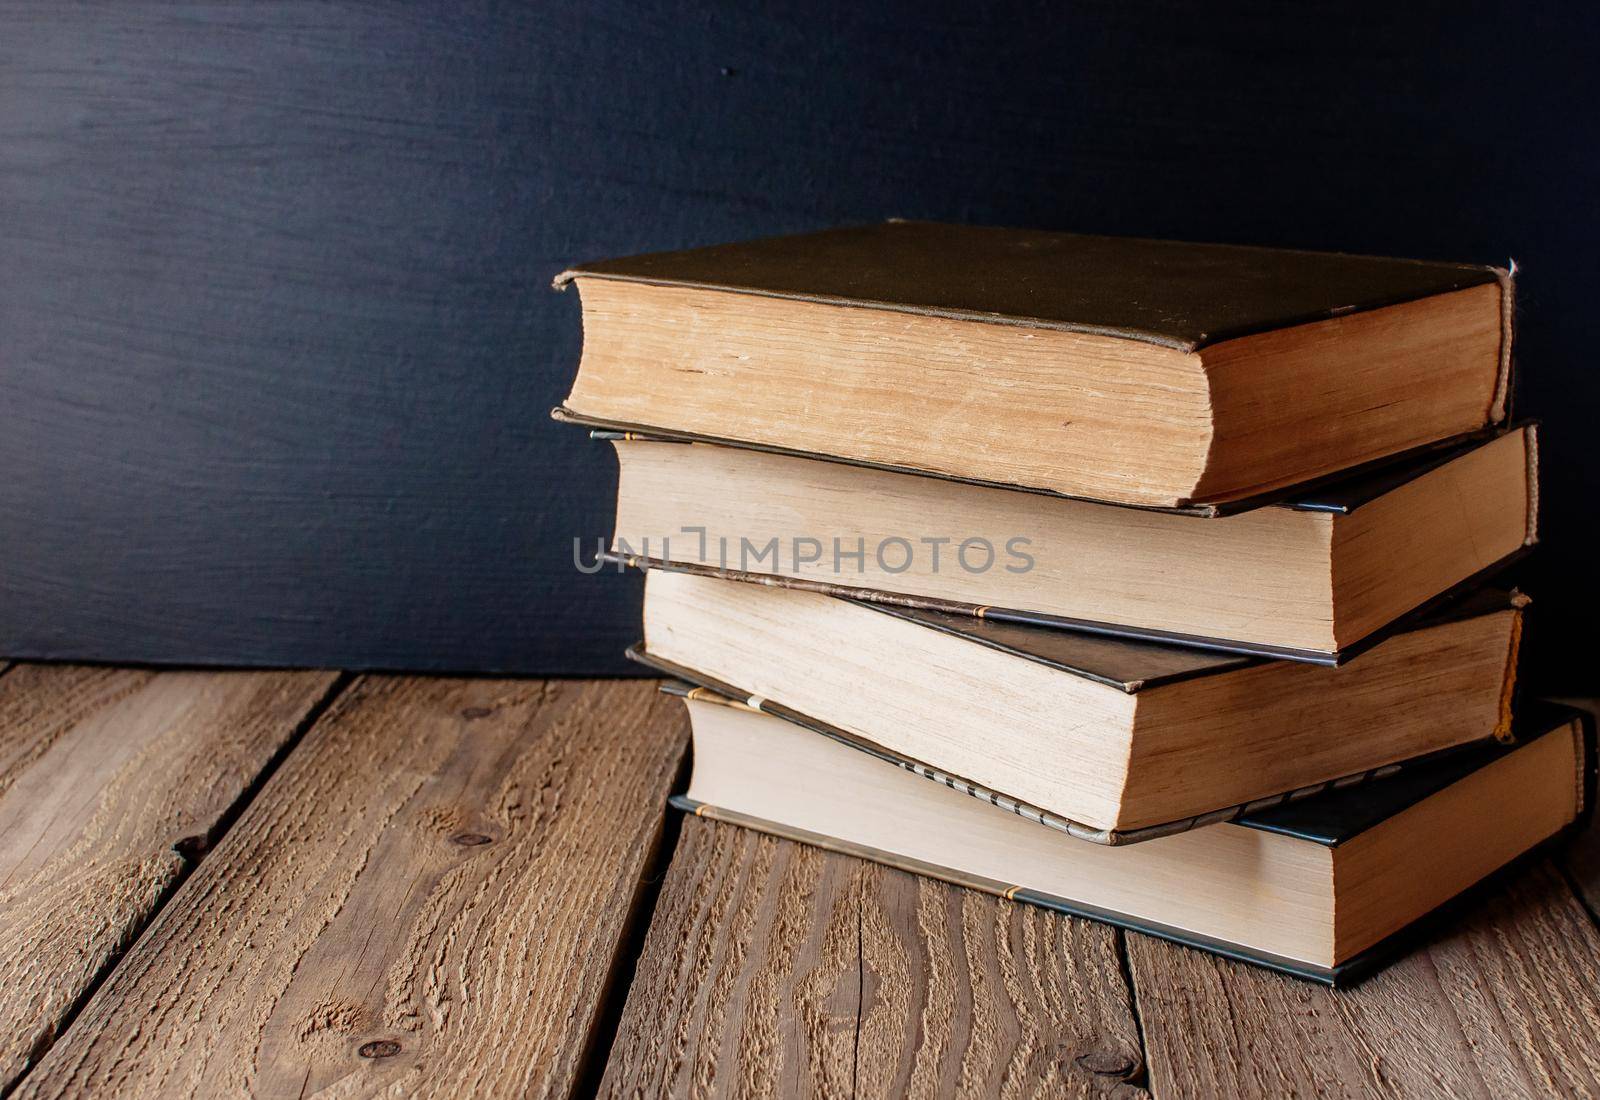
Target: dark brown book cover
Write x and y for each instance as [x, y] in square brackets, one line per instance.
[1177, 294]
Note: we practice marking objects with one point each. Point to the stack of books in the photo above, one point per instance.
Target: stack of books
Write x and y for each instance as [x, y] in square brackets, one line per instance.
[1150, 581]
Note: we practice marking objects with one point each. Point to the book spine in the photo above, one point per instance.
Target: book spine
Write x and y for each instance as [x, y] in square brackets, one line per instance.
[1500, 403]
[1510, 686]
[1588, 766]
[1531, 445]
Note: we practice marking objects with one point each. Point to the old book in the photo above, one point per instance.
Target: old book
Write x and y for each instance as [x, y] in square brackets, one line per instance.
[1322, 887]
[1312, 579]
[1151, 373]
[1109, 739]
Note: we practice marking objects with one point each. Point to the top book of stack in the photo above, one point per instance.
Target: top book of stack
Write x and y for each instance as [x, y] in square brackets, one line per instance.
[1194, 377]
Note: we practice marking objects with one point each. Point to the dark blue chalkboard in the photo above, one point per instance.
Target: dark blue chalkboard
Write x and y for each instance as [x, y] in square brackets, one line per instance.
[276, 343]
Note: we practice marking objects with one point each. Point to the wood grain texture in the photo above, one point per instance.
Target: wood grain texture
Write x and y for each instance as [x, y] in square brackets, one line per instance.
[1503, 1002]
[425, 900]
[108, 778]
[773, 969]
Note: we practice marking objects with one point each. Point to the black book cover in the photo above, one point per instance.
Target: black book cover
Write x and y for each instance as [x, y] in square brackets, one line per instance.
[1177, 294]
[1133, 663]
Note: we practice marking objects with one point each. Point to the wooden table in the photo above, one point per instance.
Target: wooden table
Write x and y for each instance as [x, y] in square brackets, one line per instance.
[293, 883]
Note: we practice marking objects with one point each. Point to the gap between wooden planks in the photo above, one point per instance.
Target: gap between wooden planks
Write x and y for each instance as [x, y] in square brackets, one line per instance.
[426, 898]
[1503, 1003]
[342, 936]
[773, 970]
[106, 776]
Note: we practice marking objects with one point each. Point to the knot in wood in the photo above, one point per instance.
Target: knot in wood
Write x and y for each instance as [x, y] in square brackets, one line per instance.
[1106, 1063]
[379, 1048]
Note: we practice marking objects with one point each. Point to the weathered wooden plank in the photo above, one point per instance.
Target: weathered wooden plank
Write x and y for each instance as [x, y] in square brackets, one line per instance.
[1505, 1003]
[426, 900]
[776, 969]
[105, 775]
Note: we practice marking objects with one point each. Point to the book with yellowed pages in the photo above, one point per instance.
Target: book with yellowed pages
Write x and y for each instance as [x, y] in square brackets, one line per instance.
[1313, 579]
[1151, 373]
[1322, 887]
[1109, 740]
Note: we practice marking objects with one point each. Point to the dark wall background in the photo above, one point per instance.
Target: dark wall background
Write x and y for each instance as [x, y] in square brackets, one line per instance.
[276, 343]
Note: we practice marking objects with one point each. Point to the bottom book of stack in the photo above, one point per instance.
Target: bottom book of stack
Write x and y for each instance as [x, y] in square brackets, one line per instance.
[1323, 887]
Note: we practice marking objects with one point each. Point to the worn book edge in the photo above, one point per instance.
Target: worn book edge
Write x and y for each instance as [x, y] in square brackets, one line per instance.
[1500, 403]
[1473, 275]
[702, 688]
[1531, 438]
[1296, 496]
[1328, 658]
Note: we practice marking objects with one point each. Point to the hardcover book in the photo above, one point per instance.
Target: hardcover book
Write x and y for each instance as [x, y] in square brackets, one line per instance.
[1323, 887]
[1151, 373]
[1312, 579]
[1106, 739]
